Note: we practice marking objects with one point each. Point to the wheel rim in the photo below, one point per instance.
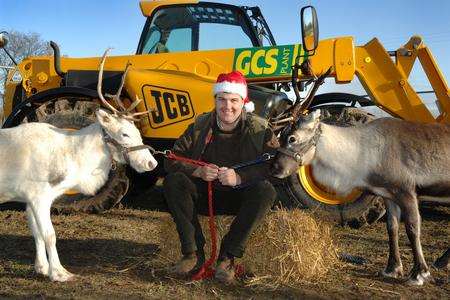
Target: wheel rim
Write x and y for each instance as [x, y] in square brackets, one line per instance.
[321, 193]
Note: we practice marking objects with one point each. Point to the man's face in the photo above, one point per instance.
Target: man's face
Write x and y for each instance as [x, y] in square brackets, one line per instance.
[229, 107]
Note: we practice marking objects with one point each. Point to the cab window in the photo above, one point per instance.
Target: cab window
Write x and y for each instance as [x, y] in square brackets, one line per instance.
[231, 36]
[196, 27]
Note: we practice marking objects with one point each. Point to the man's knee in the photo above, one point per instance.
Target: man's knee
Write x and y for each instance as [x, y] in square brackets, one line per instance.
[264, 191]
[175, 180]
[178, 181]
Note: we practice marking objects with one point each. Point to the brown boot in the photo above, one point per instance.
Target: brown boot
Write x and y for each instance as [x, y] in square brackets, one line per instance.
[188, 264]
[225, 271]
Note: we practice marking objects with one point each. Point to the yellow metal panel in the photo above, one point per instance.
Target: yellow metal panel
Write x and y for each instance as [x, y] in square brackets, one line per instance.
[170, 96]
[326, 56]
[147, 7]
[387, 86]
[173, 79]
[406, 56]
[205, 63]
[212, 61]
[323, 57]
[40, 74]
[344, 59]
[437, 81]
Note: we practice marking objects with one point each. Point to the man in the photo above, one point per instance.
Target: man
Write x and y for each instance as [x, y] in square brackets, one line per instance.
[224, 137]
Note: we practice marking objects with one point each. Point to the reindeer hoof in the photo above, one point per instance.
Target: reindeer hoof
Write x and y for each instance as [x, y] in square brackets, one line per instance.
[396, 273]
[61, 275]
[42, 269]
[419, 279]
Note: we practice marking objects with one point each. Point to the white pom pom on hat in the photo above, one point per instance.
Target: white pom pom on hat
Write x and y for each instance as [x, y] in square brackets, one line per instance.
[234, 82]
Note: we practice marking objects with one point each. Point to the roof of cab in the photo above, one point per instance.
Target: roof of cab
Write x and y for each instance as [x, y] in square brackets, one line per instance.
[148, 6]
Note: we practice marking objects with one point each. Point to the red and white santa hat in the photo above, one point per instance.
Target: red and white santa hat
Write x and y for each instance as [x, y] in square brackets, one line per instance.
[234, 82]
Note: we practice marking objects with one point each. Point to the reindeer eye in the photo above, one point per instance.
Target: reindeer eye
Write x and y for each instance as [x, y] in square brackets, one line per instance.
[125, 135]
[292, 139]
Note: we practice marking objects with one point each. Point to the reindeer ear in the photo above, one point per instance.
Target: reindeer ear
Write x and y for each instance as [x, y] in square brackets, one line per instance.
[103, 117]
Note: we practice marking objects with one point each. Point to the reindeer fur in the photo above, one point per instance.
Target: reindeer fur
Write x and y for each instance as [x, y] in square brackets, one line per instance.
[40, 162]
[392, 158]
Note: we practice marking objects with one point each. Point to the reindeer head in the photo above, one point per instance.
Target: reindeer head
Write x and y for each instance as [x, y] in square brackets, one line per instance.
[297, 145]
[120, 131]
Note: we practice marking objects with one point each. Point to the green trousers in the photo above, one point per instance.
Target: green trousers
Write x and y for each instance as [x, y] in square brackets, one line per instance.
[187, 198]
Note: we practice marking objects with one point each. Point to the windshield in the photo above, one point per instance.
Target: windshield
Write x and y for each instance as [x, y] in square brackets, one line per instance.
[196, 27]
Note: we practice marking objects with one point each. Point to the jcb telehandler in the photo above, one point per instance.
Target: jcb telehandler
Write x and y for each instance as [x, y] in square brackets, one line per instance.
[176, 63]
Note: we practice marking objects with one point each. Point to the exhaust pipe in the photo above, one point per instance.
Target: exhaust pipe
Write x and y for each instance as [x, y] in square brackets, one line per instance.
[57, 59]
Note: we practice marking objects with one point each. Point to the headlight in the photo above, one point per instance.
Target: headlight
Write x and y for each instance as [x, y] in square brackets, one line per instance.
[17, 77]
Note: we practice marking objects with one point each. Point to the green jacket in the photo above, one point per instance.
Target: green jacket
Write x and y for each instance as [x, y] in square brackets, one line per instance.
[257, 139]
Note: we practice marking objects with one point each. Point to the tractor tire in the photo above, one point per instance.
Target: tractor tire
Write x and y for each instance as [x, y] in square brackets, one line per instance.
[76, 113]
[359, 209]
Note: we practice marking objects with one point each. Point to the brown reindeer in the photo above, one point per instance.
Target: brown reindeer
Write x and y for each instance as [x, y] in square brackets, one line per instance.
[392, 158]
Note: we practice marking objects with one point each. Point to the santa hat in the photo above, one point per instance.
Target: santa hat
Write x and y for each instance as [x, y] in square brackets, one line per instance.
[235, 83]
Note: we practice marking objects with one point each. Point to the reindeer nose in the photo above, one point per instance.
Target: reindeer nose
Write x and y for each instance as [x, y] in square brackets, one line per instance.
[152, 164]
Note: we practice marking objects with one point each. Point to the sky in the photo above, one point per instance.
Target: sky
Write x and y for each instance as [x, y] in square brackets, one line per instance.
[86, 27]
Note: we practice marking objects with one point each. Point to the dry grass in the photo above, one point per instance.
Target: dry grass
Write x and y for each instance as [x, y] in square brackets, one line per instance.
[288, 248]
[291, 247]
[121, 254]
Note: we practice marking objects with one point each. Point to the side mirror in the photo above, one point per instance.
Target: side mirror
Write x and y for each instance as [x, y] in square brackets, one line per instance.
[310, 28]
[3, 39]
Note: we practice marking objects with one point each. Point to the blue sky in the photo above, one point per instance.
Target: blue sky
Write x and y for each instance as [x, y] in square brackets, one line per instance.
[87, 27]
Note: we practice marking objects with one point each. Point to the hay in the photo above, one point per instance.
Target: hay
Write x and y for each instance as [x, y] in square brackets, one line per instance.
[288, 248]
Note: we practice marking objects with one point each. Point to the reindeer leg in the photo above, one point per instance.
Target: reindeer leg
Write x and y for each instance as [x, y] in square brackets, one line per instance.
[420, 272]
[394, 268]
[41, 211]
[41, 262]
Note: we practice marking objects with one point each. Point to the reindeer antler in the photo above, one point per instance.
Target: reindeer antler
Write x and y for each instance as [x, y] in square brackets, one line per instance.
[124, 112]
[292, 114]
[132, 116]
[100, 81]
[301, 108]
[116, 97]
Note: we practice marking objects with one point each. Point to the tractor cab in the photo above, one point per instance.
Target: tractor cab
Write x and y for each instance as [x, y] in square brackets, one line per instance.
[201, 26]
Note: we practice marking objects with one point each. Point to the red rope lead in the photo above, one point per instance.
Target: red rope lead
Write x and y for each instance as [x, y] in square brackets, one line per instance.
[172, 156]
[205, 270]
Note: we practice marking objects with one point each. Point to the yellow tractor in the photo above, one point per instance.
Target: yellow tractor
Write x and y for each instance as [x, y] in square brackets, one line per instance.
[177, 61]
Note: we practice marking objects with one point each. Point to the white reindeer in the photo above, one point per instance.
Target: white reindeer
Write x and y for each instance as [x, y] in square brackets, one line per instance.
[40, 162]
[392, 158]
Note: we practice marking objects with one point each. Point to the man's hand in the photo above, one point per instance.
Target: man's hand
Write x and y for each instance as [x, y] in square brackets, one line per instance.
[207, 173]
[228, 177]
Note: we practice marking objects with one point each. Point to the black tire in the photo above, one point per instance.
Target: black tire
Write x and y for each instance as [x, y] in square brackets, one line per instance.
[143, 194]
[367, 208]
[77, 112]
